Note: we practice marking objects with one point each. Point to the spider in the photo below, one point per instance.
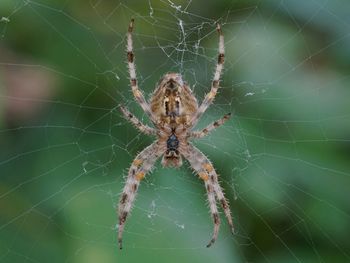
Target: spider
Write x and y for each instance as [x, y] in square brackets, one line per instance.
[174, 111]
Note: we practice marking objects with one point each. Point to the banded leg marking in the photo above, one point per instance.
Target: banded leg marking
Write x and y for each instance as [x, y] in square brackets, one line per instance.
[210, 127]
[215, 83]
[136, 122]
[142, 164]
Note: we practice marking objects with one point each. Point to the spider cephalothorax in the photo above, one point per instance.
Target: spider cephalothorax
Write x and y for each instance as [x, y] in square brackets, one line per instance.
[173, 105]
[174, 111]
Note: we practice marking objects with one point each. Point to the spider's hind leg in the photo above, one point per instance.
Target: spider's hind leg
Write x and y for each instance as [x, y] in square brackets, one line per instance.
[201, 164]
[142, 164]
[214, 211]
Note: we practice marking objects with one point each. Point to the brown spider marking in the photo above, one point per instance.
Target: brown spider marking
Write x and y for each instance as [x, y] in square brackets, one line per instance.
[123, 216]
[174, 111]
[209, 188]
[212, 178]
[216, 218]
[204, 176]
[140, 176]
[208, 166]
[137, 162]
[130, 56]
[123, 199]
[224, 204]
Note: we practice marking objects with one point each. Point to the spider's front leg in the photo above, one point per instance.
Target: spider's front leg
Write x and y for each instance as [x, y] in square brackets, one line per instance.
[132, 72]
[142, 164]
[201, 164]
[215, 83]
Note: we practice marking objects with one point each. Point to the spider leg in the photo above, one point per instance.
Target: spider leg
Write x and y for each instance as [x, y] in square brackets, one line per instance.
[213, 209]
[132, 72]
[137, 123]
[142, 164]
[210, 127]
[201, 164]
[215, 83]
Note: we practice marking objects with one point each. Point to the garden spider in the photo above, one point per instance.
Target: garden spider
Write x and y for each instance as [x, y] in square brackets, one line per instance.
[174, 111]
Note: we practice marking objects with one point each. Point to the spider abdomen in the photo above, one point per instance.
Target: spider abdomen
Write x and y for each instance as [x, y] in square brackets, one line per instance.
[173, 102]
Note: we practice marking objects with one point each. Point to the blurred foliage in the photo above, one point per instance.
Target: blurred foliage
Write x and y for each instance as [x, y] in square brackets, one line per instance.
[64, 148]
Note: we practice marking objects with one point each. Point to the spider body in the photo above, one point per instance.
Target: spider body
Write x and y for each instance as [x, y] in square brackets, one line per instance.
[174, 111]
[173, 102]
[172, 154]
[172, 144]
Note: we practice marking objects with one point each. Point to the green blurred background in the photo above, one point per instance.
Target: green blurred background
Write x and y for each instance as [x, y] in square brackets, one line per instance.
[283, 158]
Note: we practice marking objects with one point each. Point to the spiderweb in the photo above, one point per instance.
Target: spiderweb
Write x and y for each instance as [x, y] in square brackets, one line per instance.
[65, 149]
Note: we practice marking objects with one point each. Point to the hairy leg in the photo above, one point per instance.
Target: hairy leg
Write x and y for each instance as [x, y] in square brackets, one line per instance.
[142, 164]
[213, 210]
[210, 127]
[137, 123]
[201, 164]
[132, 72]
[215, 83]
